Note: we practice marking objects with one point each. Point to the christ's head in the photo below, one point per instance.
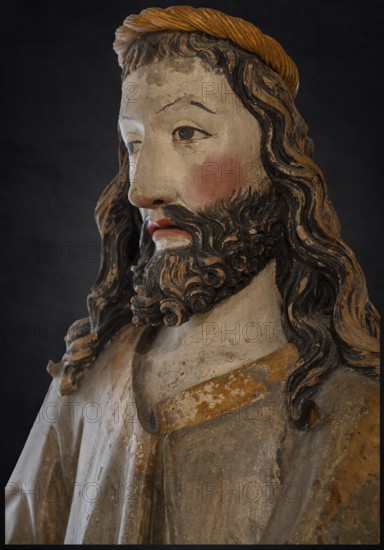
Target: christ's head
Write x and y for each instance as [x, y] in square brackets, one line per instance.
[197, 177]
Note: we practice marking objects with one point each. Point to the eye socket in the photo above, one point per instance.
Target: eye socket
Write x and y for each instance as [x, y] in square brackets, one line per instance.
[189, 133]
[133, 147]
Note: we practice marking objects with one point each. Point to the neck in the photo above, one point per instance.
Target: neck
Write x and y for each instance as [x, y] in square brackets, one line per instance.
[250, 318]
[242, 328]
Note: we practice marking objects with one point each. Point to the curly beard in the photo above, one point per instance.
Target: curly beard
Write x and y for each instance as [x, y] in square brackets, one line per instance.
[232, 241]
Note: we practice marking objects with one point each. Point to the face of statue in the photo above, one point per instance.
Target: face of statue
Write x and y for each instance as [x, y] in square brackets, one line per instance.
[190, 140]
[197, 177]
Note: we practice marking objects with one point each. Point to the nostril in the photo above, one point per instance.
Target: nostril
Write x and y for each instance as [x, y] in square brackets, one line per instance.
[158, 202]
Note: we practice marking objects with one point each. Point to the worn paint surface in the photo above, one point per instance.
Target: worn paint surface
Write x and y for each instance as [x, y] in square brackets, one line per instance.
[222, 466]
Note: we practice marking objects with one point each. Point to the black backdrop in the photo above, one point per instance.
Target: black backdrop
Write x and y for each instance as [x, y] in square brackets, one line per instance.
[60, 99]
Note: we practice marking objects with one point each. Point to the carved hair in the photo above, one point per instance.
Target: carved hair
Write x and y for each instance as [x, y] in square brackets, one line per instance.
[326, 311]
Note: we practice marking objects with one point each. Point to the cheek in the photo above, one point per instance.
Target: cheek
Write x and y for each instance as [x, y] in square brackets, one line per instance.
[217, 178]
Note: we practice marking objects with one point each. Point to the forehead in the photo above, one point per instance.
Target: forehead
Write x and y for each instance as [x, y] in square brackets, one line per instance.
[158, 83]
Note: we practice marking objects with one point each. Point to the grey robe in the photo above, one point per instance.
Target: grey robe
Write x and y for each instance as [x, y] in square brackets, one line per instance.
[217, 463]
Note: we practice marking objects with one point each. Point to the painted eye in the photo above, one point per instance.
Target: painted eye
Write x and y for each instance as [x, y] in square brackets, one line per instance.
[133, 147]
[188, 133]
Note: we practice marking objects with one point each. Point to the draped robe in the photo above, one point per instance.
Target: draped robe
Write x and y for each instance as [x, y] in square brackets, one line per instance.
[217, 463]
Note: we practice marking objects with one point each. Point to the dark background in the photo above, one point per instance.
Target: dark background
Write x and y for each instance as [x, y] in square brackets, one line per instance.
[60, 99]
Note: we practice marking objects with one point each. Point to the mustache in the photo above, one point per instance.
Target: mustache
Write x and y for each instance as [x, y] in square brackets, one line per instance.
[213, 221]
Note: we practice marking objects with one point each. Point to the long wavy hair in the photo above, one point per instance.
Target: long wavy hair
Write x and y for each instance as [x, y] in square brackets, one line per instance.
[326, 311]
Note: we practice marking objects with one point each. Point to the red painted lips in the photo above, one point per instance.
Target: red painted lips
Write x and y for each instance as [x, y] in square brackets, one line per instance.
[164, 228]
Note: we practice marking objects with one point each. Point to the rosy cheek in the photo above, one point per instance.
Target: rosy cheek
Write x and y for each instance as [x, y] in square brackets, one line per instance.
[217, 178]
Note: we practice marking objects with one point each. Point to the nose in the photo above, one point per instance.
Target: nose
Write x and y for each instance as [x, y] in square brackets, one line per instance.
[150, 178]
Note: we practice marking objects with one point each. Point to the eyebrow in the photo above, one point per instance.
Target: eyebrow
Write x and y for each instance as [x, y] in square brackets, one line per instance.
[194, 103]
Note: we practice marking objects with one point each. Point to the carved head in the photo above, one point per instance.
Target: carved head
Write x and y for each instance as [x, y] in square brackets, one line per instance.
[217, 165]
[196, 174]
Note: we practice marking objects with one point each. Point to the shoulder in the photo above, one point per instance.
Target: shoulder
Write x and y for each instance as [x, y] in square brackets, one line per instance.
[349, 403]
[347, 442]
[109, 364]
[347, 388]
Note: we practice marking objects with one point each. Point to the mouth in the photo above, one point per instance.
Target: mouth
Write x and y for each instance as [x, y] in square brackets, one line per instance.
[165, 228]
